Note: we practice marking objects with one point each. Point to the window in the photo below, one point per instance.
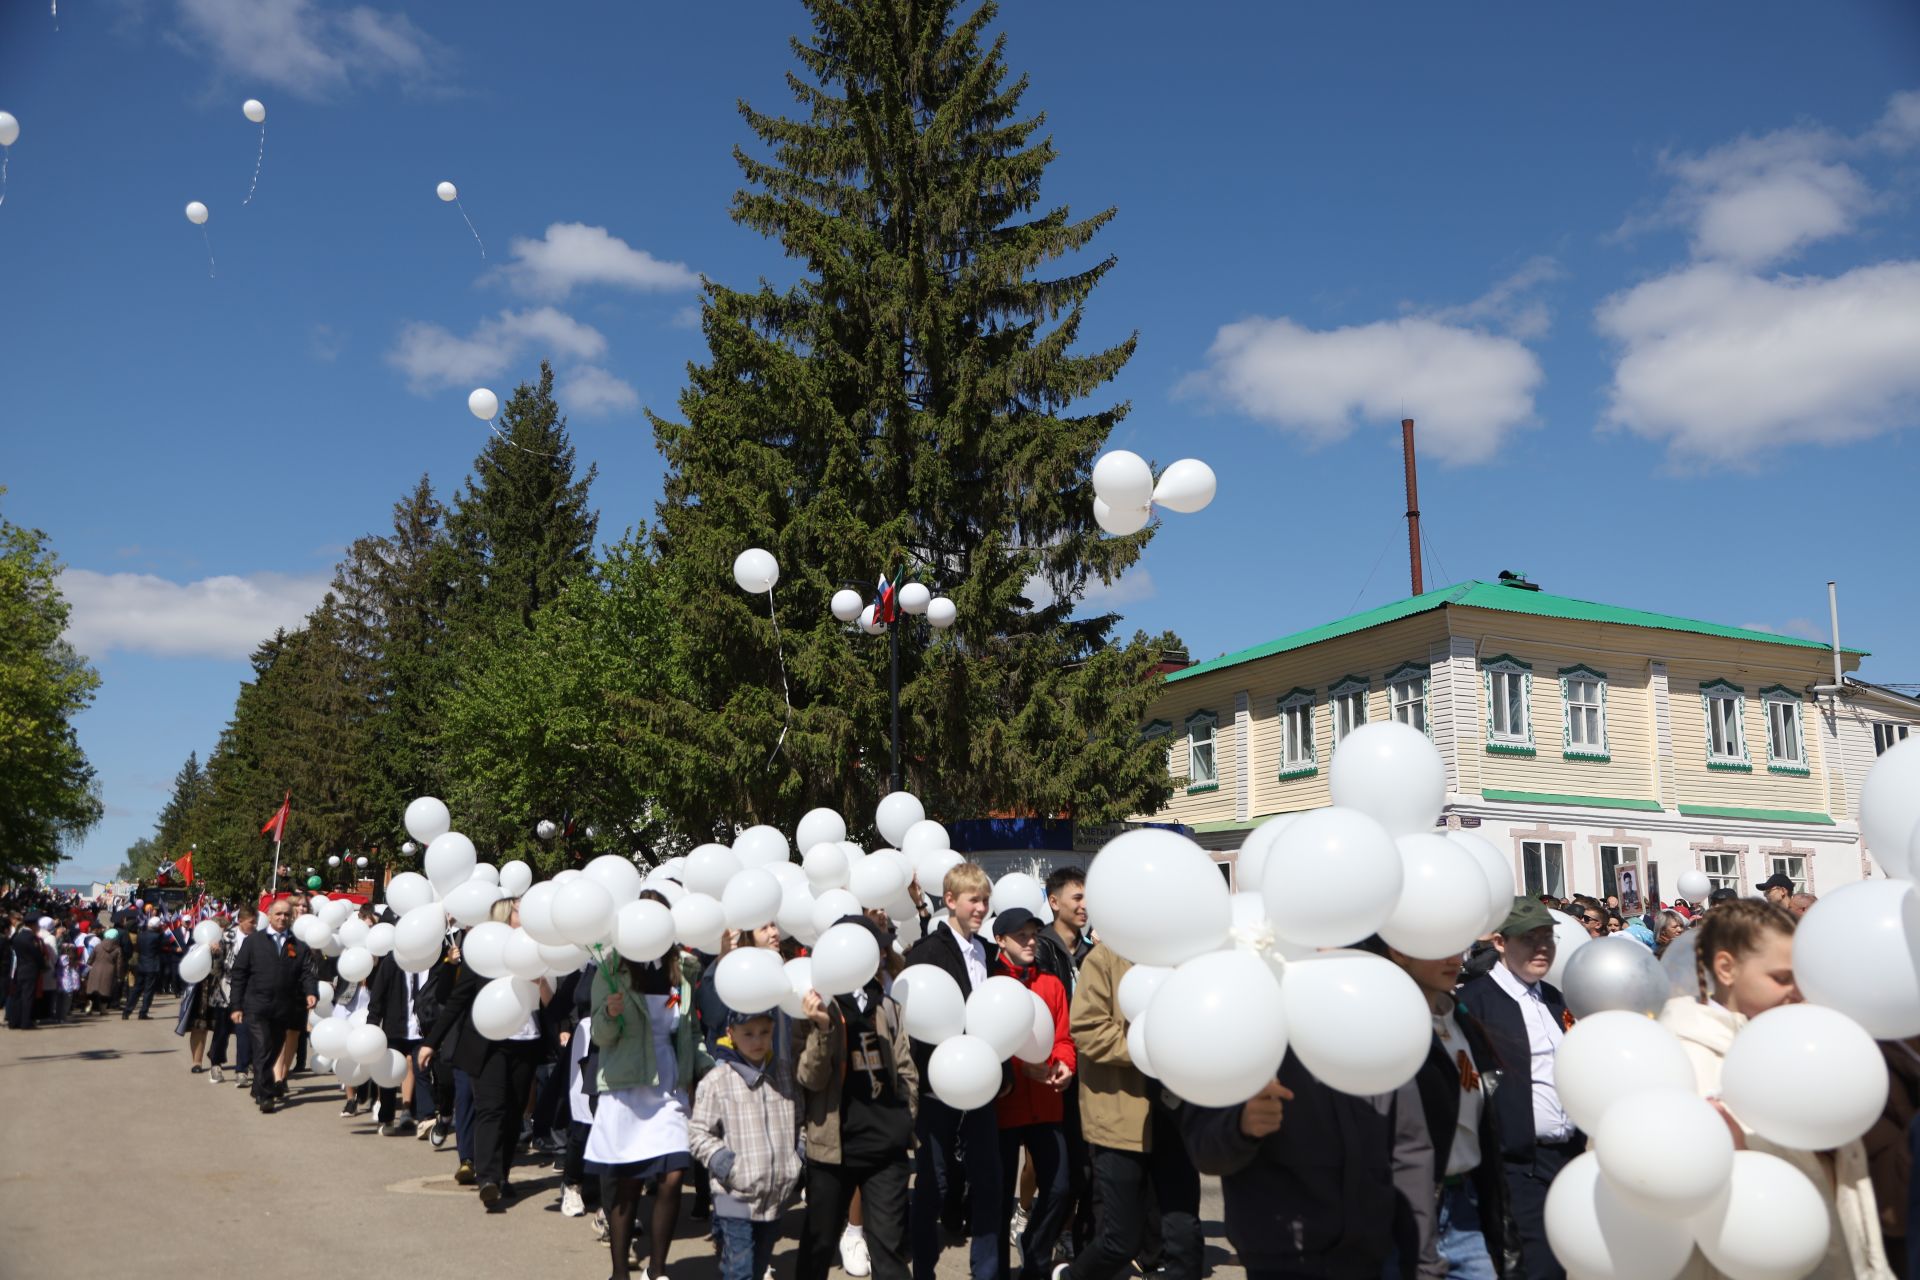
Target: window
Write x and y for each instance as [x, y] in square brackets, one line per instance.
[1786, 749]
[1791, 865]
[1203, 772]
[1723, 870]
[1349, 702]
[1509, 724]
[1543, 867]
[1885, 735]
[1583, 695]
[1297, 758]
[1407, 696]
[1724, 705]
[1612, 857]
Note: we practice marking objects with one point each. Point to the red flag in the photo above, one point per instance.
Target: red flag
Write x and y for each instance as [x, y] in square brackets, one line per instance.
[185, 867]
[277, 824]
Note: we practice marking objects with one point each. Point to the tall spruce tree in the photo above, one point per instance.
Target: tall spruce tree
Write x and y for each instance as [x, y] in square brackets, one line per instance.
[911, 404]
[521, 530]
[191, 786]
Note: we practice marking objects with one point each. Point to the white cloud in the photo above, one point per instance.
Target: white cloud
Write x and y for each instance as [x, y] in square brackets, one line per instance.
[573, 254]
[218, 617]
[1467, 387]
[1131, 587]
[1509, 306]
[1899, 126]
[593, 392]
[306, 50]
[433, 358]
[1723, 364]
[1757, 200]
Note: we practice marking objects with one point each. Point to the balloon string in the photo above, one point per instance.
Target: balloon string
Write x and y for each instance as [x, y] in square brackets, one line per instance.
[256, 164]
[600, 958]
[786, 694]
[209, 240]
[4, 157]
[511, 445]
[476, 235]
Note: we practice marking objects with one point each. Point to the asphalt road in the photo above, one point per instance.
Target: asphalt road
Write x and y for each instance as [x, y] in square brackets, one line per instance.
[110, 1149]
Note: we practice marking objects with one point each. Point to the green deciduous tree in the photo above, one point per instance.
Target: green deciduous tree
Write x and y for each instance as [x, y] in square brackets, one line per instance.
[559, 723]
[48, 796]
[914, 401]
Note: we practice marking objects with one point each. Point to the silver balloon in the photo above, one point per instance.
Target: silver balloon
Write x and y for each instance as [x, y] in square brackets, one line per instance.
[1614, 973]
[546, 830]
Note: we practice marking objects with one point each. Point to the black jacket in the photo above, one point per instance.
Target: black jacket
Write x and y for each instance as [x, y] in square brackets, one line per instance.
[147, 951]
[1439, 1086]
[387, 998]
[1506, 1030]
[29, 958]
[1052, 956]
[1340, 1183]
[941, 947]
[270, 981]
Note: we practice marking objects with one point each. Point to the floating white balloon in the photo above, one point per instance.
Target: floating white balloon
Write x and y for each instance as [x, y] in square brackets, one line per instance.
[1596, 1232]
[819, 826]
[1123, 480]
[1156, 898]
[1217, 1028]
[1187, 486]
[964, 1073]
[755, 570]
[1857, 950]
[1804, 1077]
[427, 818]
[483, 404]
[256, 111]
[1768, 1223]
[932, 1008]
[196, 212]
[9, 134]
[450, 194]
[898, 811]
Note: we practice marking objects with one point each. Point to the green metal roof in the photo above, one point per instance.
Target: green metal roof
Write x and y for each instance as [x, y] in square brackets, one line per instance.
[1502, 598]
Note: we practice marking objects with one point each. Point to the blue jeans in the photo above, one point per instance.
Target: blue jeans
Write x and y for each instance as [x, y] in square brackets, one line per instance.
[746, 1246]
[463, 1113]
[1462, 1246]
[947, 1137]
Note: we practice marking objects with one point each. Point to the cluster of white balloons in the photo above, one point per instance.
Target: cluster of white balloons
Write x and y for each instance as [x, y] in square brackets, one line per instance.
[1804, 1077]
[915, 599]
[1224, 984]
[1125, 493]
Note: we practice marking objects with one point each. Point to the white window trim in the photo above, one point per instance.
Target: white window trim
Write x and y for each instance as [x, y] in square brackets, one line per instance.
[1347, 688]
[1582, 751]
[1212, 721]
[1780, 695]
[1509, 742]
[1711, 690]
[1546, 884]
[1404, 673]
[1300, 700]
[1733, 881]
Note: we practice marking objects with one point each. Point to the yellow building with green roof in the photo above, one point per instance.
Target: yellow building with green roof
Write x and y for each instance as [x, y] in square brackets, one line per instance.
[1585, 739]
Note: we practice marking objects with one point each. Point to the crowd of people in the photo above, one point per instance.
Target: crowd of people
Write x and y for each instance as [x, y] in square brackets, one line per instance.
[638, 1083]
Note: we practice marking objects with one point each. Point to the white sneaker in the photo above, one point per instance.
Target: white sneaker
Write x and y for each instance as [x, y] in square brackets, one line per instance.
[854, 1259]
[214, 1076]
[571, 1203]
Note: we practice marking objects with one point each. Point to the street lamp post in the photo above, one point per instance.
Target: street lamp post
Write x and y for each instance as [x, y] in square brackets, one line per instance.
[899, 600]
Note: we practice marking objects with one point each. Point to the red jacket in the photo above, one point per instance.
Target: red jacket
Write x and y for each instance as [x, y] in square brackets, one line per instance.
[1030, 1101]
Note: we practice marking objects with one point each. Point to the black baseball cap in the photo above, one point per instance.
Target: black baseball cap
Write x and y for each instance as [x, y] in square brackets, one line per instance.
[1012, 920]
[1778, 880]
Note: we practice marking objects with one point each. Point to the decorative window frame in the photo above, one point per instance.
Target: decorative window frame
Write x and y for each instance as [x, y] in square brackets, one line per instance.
[1709, 690]
[1788, 849]
[1346, 687]
[1739, 852]
[1770, 696]
[1402, 673]
[1511, 744]
[1212, 721]
[1568, 751]
[1310, 764]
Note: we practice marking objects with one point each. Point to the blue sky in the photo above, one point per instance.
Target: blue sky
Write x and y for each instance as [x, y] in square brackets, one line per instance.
[1647, 275]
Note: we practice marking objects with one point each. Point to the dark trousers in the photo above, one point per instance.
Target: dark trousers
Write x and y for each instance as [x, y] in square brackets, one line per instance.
[1079, 1214]
[222, 1032]
[390, 1098]
[266, 1034]
[1122, 1183]
[20, 993]
[437, 1080]
[141, 992]
[957, 1144]
[1527, 1183]
[463, 1114]
[883, 1205]
[574, 1171]
[242, 1045]
[499, 1100]
[1046, 1147]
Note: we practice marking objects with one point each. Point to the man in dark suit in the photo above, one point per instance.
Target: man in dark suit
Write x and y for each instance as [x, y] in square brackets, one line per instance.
[28, 965]
[273, 987]
[1525, 1019]
[146, 968]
